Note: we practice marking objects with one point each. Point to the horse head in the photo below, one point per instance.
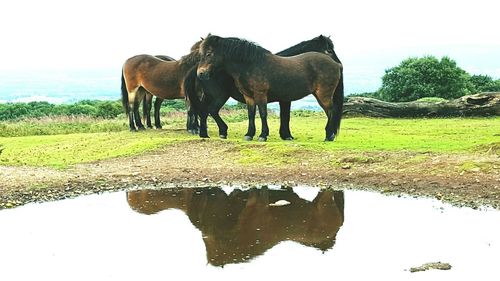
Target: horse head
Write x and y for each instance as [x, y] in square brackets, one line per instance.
[209, 57]
[325, 43]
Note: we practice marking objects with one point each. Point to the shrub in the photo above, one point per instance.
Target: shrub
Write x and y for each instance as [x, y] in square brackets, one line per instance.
[416, 78]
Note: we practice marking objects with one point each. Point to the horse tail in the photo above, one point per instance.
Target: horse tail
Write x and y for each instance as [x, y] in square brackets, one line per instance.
[125, 96]
[338, 103]
[190, 91]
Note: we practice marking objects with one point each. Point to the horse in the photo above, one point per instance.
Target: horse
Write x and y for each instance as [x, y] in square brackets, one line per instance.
[220, 87]
[146, 75]
[263, 77]
[232, 223]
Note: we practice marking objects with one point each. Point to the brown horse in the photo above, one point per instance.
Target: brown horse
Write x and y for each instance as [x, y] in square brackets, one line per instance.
[263, 77]
[246, 223]
[145, 74]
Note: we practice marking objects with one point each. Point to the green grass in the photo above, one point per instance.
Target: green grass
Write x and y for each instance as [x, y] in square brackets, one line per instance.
[60, 125]
[59, 151]
[374, 134]
[98, 139]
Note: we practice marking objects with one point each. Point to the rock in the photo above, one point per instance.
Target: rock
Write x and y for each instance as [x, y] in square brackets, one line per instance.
[279, 203]
[432, 265]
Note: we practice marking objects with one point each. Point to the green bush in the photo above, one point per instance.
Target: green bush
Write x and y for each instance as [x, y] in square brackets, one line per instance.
[82, 109]
[108, 109]
[174, 105]
[374, 95]
[39, 109]
[235, 106]
[416, 78]
[484, 83]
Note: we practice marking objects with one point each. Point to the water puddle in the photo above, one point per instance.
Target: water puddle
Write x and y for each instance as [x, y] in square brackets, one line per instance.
[247, 234]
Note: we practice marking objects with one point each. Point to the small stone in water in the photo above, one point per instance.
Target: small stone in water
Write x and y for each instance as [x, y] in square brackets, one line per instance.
[279, 203]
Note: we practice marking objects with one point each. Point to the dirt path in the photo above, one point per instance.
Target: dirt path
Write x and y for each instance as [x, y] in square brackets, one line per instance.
[204, 163]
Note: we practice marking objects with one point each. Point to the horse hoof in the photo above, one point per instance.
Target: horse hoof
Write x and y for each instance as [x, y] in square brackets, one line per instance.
[262, 139]
[133, 130]
[158, 127]
[141, 128]
[288, 139]
[248, 138]
[204, 136]
[223, 136]
[329, 139]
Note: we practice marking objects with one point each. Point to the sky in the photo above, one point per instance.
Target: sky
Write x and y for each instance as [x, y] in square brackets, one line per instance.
[369, 36]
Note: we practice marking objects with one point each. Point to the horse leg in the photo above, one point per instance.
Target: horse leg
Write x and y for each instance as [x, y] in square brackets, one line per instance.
[203, 124]
[131, 123]
[158, 102]
[135, 108]
[146, 109]
[132, 103]
[197, 108]
[263, 117]
[214, 109]
[192, 124]
[325, 101]
[329, 129]
[251, 121]
[196, 123]
[285, 133]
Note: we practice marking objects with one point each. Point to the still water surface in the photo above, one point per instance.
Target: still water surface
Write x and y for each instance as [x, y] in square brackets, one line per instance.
[249, 234]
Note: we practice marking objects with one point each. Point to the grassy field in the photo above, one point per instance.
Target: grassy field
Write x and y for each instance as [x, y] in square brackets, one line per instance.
[62, 142]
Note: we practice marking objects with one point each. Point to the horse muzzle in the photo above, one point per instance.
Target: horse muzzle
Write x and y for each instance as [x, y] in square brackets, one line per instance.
[203, 74]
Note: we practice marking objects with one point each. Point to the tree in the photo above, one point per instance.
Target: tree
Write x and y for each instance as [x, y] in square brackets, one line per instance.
[416, 78]
[484, 83]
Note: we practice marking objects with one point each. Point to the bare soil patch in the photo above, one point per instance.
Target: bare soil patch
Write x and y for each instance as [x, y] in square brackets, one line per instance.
[215, 163]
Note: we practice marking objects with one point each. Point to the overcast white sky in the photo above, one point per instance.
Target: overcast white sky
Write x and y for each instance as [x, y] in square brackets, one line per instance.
[369, 36]
[98, 33]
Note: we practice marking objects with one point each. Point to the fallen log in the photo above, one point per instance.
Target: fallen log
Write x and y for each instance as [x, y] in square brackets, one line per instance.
[482, 104]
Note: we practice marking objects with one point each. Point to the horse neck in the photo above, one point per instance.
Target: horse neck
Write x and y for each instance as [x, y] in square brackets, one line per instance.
[183, 69]
[234, 68]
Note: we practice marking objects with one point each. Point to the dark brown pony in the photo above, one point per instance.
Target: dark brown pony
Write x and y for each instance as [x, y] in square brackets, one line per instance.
[220, 87]
[263, 77]
[246, 223]
[145, 74]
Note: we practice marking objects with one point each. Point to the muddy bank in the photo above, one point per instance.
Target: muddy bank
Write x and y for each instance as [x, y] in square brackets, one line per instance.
[215, 163]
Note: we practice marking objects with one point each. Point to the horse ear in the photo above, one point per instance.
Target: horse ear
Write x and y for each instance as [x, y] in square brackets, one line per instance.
[321, 36]
[202, 38]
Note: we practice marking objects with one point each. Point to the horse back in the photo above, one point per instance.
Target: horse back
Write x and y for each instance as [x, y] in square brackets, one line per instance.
[157, 76]
[318, 63]
[292, 78]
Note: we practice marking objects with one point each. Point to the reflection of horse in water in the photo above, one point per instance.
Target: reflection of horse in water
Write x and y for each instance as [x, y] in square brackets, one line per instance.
[245, 224]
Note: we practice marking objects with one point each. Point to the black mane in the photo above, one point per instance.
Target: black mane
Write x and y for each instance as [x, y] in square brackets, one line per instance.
[235, 48]
[319, 44]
